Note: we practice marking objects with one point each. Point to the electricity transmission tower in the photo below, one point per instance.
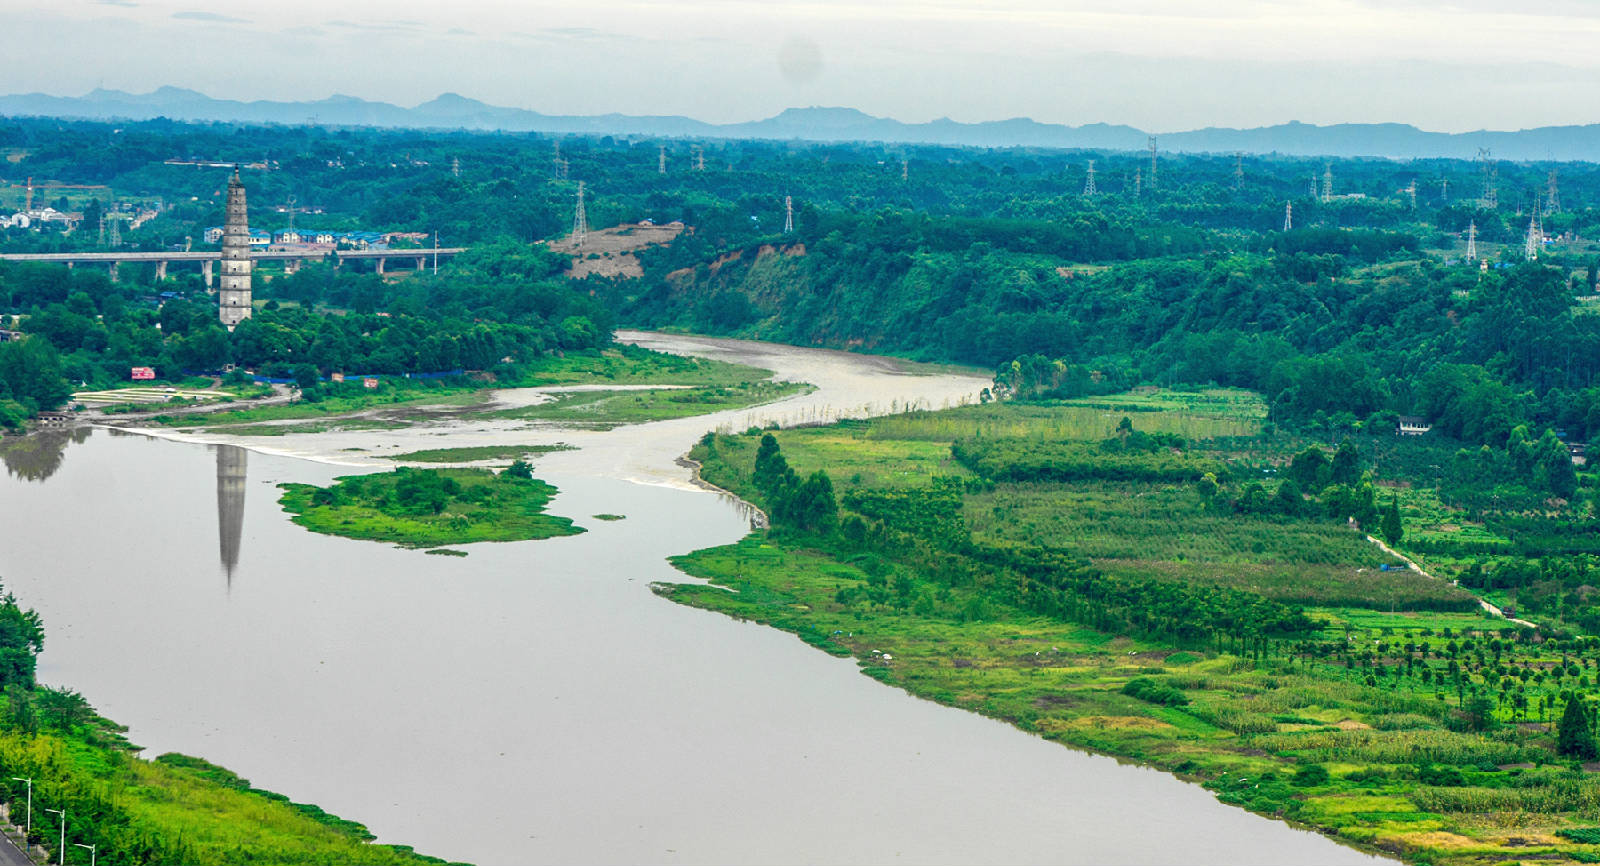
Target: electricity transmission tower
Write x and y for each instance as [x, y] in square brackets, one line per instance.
[455, 166]
[1444, 189]
[788, 215]
[1490, 199]
[1530, 246]
[1238, 170]
[1152, 162]
[1088, 184]
[661, 160]
[580, 221]
[699, 158]
[1411, 193]
[1472, 241]
[1288, 216]
[1138, 182]
[1327, 182]
[1552, 202]
[905, 169]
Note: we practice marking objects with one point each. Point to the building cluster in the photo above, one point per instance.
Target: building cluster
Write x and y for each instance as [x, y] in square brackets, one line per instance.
[39, 219]
[311, 239]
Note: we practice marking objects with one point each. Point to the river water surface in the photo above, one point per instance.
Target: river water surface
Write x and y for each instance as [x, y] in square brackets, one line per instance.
[534, 702]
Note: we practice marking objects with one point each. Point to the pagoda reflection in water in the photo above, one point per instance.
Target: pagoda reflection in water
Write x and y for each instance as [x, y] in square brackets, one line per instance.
[231, 463]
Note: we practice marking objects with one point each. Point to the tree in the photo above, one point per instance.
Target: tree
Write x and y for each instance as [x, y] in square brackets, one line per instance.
[1574, 738]
[1392, 529]
[520, 469]
[1346, 468]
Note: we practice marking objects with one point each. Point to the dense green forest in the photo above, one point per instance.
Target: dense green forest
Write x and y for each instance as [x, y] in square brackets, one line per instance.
[1364, 307]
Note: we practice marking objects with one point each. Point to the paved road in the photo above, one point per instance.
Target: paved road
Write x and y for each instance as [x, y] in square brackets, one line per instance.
[11, 855]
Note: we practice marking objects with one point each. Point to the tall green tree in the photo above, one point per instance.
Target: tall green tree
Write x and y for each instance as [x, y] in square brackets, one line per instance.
[1574, 737]
[1393, 529]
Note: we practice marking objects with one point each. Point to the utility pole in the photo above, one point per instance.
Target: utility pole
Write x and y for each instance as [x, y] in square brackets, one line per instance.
[1088, 184]
[436, 252]
[1288, 216]
[1472, 241]
[1152, 163]
[788, 215]
[580, 221]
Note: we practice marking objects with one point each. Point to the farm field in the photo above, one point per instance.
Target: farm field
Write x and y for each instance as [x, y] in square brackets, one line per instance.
[1374, 702]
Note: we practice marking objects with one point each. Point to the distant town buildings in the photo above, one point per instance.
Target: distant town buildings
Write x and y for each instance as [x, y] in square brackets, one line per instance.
[307, 239]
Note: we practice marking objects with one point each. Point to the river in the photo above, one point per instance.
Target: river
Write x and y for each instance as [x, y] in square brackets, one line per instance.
[534, 702]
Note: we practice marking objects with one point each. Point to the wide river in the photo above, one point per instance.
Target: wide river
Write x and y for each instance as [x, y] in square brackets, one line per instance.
[534, 702]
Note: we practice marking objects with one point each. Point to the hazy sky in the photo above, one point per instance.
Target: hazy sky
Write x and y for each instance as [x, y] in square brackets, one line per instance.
[1158, 64]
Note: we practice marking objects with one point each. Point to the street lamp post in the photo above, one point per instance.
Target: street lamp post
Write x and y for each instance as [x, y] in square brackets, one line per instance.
[30, 801]
[91, 851]
[61, 859]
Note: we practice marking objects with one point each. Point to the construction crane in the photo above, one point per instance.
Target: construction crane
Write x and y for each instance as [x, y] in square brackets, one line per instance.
[31, 186]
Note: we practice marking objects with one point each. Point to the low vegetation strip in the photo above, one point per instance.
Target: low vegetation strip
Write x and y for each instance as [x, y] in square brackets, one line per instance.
[612, 408]
[430, 507]
[474, 453]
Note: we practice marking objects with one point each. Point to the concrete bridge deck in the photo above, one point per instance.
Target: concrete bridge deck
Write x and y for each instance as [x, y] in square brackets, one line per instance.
[207, 258]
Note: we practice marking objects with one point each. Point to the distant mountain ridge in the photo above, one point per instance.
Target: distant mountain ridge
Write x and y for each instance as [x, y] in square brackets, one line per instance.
[454, 111]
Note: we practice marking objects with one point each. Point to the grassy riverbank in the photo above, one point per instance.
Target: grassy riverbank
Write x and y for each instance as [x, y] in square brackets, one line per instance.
[429, 507]
[330, 404]
[1103, 594]
[613, 408]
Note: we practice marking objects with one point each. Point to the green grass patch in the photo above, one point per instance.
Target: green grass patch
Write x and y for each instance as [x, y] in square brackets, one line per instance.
[477, 452]
[605, 409]
[428, 507]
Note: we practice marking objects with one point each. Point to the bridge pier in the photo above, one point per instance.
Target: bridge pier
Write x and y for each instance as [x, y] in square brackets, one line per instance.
[422, 263]
[161, 271]
[205, 269]
[380, 260]
[291, 265]
[113, 270]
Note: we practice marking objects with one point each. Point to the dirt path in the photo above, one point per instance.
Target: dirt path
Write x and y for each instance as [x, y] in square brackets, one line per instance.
[1410, 563]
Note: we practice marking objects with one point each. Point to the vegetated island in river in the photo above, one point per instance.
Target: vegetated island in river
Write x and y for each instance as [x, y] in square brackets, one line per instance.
[430, 507]
[174, 809]
[1189, 591]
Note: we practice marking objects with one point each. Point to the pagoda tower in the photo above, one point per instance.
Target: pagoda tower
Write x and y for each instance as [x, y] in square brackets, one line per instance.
[234, 297]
